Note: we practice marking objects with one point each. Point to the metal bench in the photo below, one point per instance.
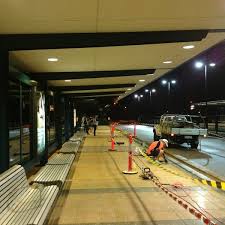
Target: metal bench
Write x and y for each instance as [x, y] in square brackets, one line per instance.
[56, 170]
[61, 159]
[76, 139]
[78, 136]
[52, 175]
[21, 204]
[70, 147]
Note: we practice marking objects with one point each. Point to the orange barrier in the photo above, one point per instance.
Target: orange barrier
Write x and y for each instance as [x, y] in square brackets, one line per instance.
[130, 169]
[112, 145]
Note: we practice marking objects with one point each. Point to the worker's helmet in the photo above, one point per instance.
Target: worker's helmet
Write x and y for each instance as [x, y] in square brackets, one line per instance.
[165, 141]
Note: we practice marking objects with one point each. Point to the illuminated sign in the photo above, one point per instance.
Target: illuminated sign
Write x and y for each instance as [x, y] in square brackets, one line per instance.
[41, 122]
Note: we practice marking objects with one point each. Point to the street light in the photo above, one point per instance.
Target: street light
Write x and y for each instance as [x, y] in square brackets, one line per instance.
[150, 94]
[164, 82]
[199, 65]
[138, 97]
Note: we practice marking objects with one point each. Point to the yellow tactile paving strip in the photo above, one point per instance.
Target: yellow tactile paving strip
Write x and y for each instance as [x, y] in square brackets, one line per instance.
[97, 192]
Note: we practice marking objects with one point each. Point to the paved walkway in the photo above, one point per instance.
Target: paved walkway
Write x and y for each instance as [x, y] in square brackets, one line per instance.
[98, 193]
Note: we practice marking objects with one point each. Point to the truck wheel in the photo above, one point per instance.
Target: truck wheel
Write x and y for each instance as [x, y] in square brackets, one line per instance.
[194, 144]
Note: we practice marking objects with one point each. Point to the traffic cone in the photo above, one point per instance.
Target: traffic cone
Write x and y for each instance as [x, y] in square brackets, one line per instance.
[112, 145]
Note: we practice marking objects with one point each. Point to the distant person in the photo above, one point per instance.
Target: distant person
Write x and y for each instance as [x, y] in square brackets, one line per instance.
[95, 124]
[86, 125]
[156, 149]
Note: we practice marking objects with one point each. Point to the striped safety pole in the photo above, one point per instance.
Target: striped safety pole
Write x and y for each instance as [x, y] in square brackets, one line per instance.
[135, 130]
[130, 169]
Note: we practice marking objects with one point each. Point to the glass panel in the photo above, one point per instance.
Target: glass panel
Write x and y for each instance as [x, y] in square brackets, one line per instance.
[26, 121]
[14, 122]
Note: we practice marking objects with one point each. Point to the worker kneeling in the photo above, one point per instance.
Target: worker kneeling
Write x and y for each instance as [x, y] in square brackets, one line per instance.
[156, 149]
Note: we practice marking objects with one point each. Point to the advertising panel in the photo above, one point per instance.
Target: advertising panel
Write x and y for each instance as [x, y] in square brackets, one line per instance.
[74, 118]
[41, 122]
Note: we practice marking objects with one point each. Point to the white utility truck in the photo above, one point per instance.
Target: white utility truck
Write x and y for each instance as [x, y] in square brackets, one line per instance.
[179, 129]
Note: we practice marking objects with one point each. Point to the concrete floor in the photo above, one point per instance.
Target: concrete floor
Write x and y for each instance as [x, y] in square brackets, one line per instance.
[97, 192]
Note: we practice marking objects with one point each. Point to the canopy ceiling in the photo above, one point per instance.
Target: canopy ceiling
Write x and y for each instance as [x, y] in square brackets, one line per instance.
[37, 24]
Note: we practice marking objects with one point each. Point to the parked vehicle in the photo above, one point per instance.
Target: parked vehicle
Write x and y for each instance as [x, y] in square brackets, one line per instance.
[179, 129]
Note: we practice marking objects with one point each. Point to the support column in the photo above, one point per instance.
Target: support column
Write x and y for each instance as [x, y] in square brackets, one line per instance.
[72, 118]
[4, 130]
[58, 122]
[34, 153]
[67, 119]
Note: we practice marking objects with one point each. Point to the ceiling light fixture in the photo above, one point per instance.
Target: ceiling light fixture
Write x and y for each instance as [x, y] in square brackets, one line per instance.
[188, 46]
[141, 80]
[129, 89]
[167, 62]
[67, 80]
[52, 59]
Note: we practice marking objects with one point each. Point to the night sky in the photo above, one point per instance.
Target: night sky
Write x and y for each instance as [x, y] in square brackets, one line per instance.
[190, 87]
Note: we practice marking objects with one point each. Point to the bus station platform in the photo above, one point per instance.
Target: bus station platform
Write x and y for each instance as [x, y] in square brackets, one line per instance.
[97, 192]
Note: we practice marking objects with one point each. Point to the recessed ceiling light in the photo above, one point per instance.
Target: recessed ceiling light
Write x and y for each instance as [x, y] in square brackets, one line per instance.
[52, 59]
[150, 74]
[146, 90]
[67, 80]
[141, 80]
[188, 46]
[129, 89]
[167, 62]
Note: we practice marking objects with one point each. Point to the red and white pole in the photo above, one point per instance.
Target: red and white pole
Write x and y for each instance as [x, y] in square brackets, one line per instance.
[135, 130]
[112, 130]
[112, 145]
[130, 169]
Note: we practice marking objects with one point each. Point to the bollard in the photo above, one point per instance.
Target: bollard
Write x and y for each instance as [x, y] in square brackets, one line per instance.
[130, 169]
[135, 130]
[112, 145]
[112, 130]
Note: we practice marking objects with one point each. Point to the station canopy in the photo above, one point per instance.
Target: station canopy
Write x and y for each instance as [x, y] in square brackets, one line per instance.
[103, 48]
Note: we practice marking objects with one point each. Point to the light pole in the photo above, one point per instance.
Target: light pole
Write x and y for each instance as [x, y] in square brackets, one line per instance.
[199, 65]
[150, 93]
[169, 83]
[138, 97]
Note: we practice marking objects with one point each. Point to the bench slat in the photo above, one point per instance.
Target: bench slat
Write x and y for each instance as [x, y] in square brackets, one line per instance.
[29, 207]
[13, 183]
